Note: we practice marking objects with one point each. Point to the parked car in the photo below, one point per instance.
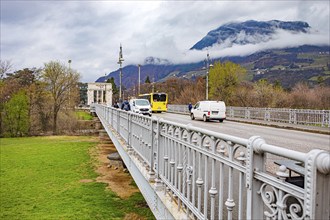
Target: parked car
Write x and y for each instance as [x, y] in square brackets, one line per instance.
[141, 106]
[209, 110]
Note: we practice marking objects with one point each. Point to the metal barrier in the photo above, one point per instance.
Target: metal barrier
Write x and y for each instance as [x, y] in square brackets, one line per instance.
[209, 175]
[284, 115]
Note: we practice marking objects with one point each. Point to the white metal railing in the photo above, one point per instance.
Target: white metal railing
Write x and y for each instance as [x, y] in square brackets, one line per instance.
[216, 176]
[284, 115]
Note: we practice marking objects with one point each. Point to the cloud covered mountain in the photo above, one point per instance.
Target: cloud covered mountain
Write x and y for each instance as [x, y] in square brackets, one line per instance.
[271, 60]
[248, 32]
[156, 61]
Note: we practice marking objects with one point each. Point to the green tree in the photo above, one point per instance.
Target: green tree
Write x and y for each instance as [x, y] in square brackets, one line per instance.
[62, 84]
[16, 119]
[224, 79]
[115, 90]
[320, 80]
[147, 80]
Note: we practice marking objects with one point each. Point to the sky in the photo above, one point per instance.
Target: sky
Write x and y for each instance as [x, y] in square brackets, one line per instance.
[89, 33]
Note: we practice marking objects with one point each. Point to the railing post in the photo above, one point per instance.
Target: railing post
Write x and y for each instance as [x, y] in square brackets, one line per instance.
[118, 122]
[107, 114]
[127, 126]
[325, 118]
[231, 112]
[129, 131]
[267, 114]
[213, 190]
[111, 110]
[255, 163]
[317, 178]
[294, 116]
[246, 110]
[158, 183]
[151, 173]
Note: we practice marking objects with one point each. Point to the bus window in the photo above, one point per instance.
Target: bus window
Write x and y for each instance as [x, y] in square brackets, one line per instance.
[159, 97]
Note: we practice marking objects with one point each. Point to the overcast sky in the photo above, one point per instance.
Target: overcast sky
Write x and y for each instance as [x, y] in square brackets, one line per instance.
[89, 32]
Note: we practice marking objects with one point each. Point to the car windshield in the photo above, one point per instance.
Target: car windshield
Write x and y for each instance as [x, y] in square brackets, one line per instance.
[142, 102]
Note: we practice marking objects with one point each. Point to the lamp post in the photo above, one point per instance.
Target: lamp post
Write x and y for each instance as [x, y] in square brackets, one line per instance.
[208, 65]
[139, 79]
[120, 61]
[69, 61]
[105, 89]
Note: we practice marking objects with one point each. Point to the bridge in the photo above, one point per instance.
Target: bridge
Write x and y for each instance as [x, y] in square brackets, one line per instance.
[187, 172]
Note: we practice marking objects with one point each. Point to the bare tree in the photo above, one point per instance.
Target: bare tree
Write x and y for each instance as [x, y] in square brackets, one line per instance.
[5, 67]
[192, 93]
[61, 82]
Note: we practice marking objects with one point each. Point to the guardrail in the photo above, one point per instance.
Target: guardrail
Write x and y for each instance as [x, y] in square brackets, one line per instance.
[284, 115]
[216, 176]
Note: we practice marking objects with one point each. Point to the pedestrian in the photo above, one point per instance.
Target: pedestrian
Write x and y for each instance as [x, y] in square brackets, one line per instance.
[126, 106]
[190, 106]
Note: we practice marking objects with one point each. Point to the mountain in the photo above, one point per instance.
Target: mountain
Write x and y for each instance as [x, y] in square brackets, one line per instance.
[307, 63]
[155, 72]
[249, 32]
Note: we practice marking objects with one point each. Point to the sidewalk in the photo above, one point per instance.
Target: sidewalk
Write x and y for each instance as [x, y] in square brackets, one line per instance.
[312, 129]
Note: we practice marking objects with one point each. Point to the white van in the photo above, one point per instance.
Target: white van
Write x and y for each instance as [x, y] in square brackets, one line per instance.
[209, 110]
[141, 106]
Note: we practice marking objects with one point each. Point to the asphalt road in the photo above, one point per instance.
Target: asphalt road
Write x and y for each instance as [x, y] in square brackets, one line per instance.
[290, 139]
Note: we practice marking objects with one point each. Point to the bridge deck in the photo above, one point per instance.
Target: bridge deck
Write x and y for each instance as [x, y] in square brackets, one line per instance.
[188, 172]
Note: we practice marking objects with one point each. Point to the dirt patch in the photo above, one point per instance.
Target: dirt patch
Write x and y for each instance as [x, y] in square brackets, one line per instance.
[118, 180]
[86, 181]
[133, 216]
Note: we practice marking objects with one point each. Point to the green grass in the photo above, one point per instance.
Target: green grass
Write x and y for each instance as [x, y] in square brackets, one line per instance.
[84, 115]
[40, 179]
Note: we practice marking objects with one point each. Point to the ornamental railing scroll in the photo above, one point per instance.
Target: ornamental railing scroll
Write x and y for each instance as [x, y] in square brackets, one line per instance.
[284, 115]
[216, 176]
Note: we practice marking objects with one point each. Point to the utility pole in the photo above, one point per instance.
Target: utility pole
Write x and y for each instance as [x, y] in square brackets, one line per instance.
[153, 84]
[69, 61]
[120, 61]
[139, 90]
[207, 67]
[105, 89]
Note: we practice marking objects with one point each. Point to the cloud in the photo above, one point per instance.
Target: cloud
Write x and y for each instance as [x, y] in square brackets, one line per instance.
[281, 39]
[90, 32]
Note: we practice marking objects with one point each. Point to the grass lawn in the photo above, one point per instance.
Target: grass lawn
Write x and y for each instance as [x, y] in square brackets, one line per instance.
[40, 179]
[82, 115]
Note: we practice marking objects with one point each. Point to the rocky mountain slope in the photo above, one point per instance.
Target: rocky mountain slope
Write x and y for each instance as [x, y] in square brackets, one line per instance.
[248, 32]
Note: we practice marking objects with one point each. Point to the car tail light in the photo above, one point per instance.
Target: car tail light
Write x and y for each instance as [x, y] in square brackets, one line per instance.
[208, 113]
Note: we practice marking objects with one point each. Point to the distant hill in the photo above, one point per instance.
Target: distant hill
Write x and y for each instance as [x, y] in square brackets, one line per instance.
[307, 63]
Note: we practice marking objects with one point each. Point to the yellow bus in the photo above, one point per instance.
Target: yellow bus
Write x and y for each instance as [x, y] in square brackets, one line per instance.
[158, 101]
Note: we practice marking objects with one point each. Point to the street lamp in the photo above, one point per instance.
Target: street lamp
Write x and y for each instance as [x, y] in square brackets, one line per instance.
[120, 61]
[139, 79]
[69, 61]
[208, 65]
[105, 89]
